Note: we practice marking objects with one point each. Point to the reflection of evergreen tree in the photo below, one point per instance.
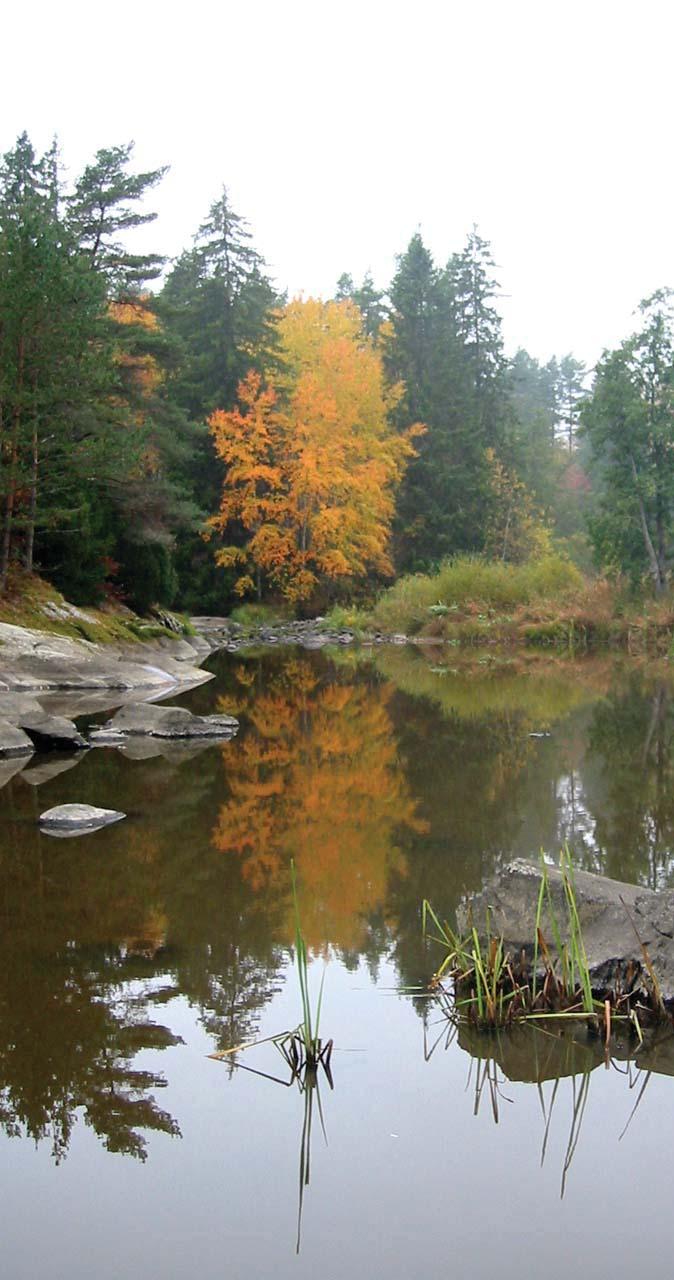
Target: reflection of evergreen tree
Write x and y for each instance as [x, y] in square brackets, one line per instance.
[632, 739]
[388, 783]
[469, 776]
[69, 1031]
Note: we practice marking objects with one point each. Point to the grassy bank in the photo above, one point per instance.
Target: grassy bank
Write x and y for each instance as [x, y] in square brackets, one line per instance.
[31, 602]
[545, 603]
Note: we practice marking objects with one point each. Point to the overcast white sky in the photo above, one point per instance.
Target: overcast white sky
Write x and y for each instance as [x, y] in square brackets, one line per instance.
[341, 128]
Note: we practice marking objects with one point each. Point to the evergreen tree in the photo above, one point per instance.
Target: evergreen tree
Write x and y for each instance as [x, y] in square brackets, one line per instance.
[103, 208]
[570, 391]
[219, 305]
[219, 302]
[369, 300]
[629, 419]
[444, 342]
[478, 326]
[55, 359]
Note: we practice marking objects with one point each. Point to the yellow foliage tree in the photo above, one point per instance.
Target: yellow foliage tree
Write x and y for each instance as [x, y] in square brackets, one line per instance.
[312, 464]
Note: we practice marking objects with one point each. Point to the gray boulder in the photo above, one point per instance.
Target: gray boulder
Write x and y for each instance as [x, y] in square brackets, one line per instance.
[76, 819]
[609, 912]
[13, 741]
[15, 705]
[52, 733]
[159, 721]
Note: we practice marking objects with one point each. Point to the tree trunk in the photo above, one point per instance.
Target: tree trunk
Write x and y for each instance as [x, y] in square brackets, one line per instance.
[656, 562]
[32, 504]
[11, 479]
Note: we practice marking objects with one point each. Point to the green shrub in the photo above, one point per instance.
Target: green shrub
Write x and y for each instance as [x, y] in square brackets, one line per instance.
[474, 584]
[258, 615]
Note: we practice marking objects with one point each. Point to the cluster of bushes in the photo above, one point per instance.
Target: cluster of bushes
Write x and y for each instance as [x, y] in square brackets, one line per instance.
[470, 585]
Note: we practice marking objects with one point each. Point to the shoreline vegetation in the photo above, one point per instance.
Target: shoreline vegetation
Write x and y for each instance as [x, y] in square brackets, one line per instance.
[186, 435]
[468, 604]
[547, 603]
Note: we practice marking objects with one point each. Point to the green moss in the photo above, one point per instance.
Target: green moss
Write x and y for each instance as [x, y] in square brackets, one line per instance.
[24, 606]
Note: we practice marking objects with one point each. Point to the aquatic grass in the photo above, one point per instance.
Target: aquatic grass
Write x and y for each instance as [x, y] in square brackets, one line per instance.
[492, 989]
[301, 1048]
[307, 1031]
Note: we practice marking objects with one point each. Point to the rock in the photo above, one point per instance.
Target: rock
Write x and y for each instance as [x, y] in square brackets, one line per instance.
[15, 705]
[52, 733]
[160, 721]
[13, 741]
[76, 819]
[106, 737]
[174, 750]
[35, 660]
[603, 905]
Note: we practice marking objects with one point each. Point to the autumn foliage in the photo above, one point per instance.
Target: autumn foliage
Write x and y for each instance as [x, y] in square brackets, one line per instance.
[316, 778]
[312, 464]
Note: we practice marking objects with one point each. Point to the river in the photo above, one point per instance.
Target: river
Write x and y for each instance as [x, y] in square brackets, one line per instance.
[131, 954]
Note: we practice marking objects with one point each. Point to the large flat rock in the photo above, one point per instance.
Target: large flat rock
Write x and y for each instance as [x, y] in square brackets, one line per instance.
[32, 660]
[52, 733]
[609, 911]
[156, 720]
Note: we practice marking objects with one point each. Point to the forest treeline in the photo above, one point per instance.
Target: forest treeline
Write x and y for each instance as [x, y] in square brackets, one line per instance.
[183, 434]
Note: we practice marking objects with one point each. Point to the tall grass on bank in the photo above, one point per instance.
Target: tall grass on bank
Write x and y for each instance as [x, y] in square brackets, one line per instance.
[493, 989]
[466, 581]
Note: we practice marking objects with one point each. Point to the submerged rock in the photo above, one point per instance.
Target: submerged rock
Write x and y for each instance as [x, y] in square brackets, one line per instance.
[615, 919]
[10, 766]
[76, 819]
[159, 721]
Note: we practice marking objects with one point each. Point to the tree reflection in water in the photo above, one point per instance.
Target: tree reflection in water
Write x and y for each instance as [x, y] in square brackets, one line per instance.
[386, 780]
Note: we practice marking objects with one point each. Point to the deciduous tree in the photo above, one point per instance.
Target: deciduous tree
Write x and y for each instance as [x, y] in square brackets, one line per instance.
[312, 463]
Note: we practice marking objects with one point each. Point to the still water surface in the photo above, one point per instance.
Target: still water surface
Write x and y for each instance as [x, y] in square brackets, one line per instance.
[130, 954]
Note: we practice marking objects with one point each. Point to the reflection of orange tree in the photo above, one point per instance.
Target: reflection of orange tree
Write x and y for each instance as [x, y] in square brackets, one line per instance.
[317, 779]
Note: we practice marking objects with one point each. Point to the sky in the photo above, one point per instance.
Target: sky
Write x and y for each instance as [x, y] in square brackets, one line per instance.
[341, 129]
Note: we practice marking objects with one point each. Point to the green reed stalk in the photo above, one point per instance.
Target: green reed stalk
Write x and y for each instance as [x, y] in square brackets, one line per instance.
[309, 1032]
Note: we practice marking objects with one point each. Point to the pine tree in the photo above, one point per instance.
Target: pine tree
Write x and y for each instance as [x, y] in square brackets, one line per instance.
[478, 326]
[55, 363]
[450, 380]
[629, 419]
[103, 208]
[570, 391]
[219, 305]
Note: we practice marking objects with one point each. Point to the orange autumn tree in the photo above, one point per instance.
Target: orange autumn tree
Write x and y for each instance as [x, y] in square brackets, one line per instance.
[312, 464]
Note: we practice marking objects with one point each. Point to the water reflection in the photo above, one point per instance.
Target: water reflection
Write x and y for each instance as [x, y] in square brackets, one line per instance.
[387, 781]
[318, 779]
[560, 1061]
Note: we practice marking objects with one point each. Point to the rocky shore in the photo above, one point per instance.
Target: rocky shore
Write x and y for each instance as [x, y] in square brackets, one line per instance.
[47, 681]
[313, 633]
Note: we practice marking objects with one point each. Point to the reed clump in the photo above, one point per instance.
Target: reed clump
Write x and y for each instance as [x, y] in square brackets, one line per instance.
[493, 989]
